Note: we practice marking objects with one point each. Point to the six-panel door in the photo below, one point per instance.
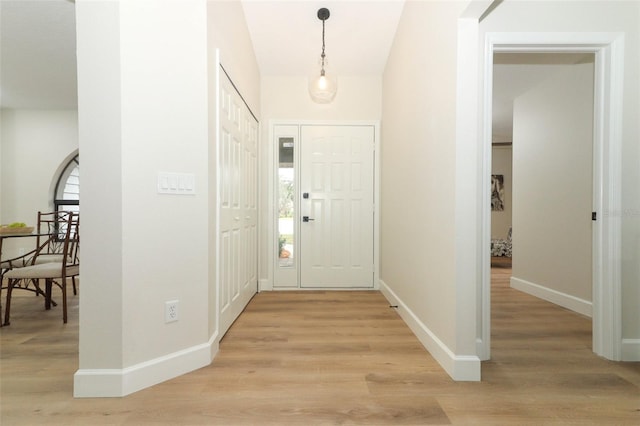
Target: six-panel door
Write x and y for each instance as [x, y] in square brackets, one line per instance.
[337, 238]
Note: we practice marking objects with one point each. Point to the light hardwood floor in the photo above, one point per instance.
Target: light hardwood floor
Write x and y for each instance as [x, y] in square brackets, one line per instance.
[311, 358]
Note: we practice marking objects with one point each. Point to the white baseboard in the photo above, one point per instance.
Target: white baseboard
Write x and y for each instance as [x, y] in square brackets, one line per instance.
[89, 383]
[631, 350]
[459, 367]
[573, 303]
[265, 284]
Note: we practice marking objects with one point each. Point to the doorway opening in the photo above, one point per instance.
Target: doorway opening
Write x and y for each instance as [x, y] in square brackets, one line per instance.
[542, 174]
[605, 238]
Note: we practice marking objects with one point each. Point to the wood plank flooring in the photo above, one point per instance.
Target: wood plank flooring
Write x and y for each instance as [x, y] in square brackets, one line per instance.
[333, 358]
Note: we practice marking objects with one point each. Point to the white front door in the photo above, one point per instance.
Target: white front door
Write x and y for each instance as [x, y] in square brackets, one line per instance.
[337, 206]
[238, 204]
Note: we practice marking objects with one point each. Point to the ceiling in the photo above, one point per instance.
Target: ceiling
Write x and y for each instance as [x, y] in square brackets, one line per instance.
[515, 74]
[38, 67]
[38, 63]
[38, 54]
[287, 35]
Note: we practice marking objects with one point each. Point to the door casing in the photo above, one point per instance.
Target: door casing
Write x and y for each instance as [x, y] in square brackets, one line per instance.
[609, 67]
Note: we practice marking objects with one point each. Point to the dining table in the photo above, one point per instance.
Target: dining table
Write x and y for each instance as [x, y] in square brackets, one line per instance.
[8, 235]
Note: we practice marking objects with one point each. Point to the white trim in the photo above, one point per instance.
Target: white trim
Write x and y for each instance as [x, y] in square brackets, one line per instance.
[218, 280]
[285, 289]
[470, 262]
[607, 288]
[459, 367]
[565, 300]
[609, 67]
[376, 204]
[270, 252]
[631, 350]
[265, 284]
[112, 382]
[484, 304]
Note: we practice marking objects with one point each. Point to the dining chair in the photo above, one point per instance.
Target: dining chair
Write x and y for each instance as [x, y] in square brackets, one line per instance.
[66, 235]
[15, 262]
[50, 249]
[23, 260]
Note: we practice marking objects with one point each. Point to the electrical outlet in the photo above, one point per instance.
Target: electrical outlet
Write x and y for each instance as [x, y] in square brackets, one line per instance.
[171, 311]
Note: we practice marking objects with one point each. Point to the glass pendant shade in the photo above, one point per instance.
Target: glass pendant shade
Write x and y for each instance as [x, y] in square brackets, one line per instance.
[323, 87]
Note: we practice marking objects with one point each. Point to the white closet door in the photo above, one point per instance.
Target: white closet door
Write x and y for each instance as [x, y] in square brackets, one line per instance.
[238, 204]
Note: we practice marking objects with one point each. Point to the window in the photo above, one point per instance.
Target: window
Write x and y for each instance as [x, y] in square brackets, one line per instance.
[67, 192]
[286, 203]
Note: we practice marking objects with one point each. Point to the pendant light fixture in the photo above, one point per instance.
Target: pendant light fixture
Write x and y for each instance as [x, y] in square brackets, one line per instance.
[323, 87]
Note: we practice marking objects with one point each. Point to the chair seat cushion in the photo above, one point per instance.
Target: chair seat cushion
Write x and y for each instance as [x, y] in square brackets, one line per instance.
[73, 270]
[15, 263]
[49, 258]
[44, 270]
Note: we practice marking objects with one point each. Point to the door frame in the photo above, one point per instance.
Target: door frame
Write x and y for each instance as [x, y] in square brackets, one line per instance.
[608, 49]
[270, 234]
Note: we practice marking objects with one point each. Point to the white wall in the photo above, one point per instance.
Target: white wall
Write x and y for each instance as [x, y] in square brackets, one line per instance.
[513, 75]
[34, 145]
[228, 32]
[287, 97]
[418, 214]
[552, 203]
[164, 128]
[600, 16]
[143, 103]
[147, 102]
[101, 296]
[502, 164]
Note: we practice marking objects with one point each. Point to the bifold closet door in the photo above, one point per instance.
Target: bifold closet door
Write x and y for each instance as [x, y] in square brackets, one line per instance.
[238, 204]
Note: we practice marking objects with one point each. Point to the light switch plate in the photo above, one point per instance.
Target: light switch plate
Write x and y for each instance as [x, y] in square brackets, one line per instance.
[176, 183]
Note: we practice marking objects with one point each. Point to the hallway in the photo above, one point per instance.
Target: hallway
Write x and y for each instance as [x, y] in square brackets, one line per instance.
[305, 358]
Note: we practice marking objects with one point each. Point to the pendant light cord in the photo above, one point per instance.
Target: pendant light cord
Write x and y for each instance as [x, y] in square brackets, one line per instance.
[323, 55]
